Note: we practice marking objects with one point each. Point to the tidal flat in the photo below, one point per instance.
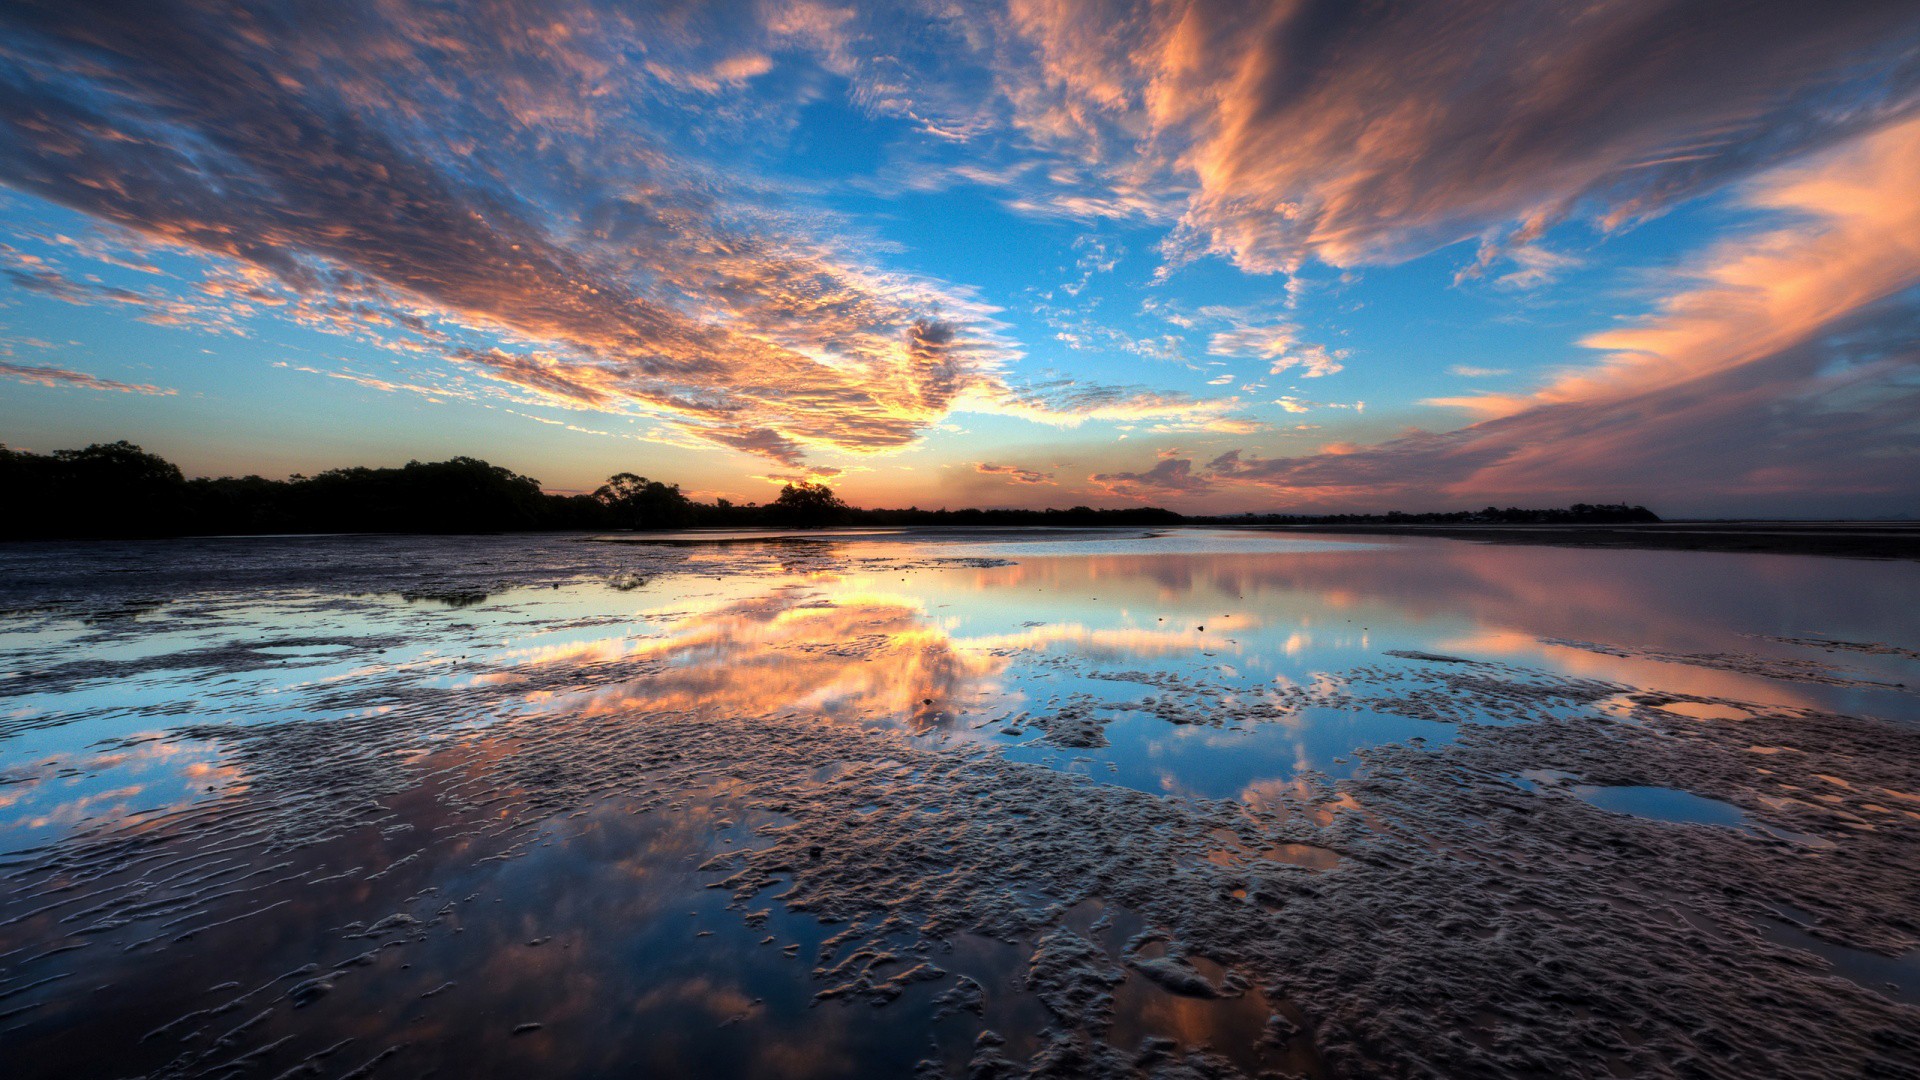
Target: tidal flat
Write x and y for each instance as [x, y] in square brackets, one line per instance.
[993, 803]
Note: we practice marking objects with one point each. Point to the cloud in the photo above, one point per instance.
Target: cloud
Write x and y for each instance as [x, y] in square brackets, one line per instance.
[1811, 423]
[1084, 335]
[727, 73]
[1470, 371]
[1848, 239]
[1171, 476]
[59, 377]
[764, 442]
[1419, 464]
[43, 276]
[1014, 473]
[1782, 363]
[388, 386]
[1293, 404]
[485, 184]
[521, 199]
[807, 474]
[1070, 403]
[1359, 133]
[1279, 344]
[1534, 266]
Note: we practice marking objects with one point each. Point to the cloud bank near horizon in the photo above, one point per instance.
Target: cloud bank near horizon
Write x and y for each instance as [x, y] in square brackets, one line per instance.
[1783, 362]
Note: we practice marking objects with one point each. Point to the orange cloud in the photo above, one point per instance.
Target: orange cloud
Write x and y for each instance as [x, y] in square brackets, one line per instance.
[568, 261]
[1013, 473]
[1783, 363]
[1358, 133]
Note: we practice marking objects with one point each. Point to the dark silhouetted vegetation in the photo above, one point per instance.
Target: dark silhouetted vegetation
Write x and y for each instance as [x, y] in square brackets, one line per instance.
[119, 490]
[808, 506]
[635, 502]
[1077, 517]
[1577, 514]
[104, 490]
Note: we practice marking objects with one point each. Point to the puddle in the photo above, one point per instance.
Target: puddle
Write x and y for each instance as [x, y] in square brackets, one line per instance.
[1684, 807]
[1149, 754]
[1706, 710]
[1662, 804]
[1897, 977]
[1307, 856]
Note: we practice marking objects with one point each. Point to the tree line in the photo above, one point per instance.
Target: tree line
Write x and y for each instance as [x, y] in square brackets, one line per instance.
[1577, 514]
[120, 490]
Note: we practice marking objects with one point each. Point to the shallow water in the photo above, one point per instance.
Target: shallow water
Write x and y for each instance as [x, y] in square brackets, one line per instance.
[1663, 804]
[1010, 800]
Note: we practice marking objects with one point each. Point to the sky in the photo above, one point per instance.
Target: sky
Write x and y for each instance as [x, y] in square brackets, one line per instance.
[1213, 255]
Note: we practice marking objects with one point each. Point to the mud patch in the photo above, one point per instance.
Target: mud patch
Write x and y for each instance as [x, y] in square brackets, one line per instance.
[743, 818]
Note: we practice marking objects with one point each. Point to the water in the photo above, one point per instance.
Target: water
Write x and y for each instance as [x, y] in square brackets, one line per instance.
[839, 805]
[1663, 804]
[1895, 976]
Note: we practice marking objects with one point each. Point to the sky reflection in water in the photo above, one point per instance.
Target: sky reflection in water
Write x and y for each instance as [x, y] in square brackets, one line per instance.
[954, 652]
[604, 932]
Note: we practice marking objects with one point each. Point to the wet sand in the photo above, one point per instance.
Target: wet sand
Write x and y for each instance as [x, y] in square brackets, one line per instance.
[1193, 805]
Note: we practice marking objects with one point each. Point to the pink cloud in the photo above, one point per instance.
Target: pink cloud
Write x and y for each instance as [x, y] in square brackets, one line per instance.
[59, 377]
[1783, 363]
[1013, 473]
[1358, 133]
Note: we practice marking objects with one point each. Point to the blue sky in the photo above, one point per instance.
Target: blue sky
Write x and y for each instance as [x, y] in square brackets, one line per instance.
[1206, 254]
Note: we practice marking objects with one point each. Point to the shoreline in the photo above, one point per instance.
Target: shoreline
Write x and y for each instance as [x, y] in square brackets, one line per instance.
[1875, 540]
[1835, 539]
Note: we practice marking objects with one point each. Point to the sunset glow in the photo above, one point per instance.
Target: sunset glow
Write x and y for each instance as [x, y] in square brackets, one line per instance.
[1212, 255]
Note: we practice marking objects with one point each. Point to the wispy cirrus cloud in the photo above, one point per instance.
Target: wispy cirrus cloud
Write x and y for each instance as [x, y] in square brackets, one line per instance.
[1013, 473]
[374, 382]
[1356, 133]
[1071, 402]
[39, 375]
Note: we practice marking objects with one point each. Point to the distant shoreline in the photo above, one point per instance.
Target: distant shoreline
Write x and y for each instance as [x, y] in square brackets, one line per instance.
[1840, 539]
[1875, 540]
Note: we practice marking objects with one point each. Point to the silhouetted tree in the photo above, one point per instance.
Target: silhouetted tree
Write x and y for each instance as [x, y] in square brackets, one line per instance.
[635, 502]
[463, 494]
[106, 489]
[807, 505]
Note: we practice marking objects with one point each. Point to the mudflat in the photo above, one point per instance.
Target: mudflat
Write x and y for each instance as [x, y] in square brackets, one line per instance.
[1189, 803]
